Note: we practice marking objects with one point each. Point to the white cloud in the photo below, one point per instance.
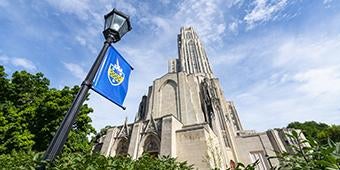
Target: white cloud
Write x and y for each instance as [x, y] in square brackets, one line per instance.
[205, 16]
[308, 52]
[236, 2]
[4, 59]
[320, 81]
[327, 1]
[128, 8]
[25, 63]
[299, 81]
[76, 70]
[91, 15]
[80, 8]
[18, 62]
[264, 10]
[81, 40]
[233, 26]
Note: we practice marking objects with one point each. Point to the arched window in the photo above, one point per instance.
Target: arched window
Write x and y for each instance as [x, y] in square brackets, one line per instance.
[168, 93]
[188, 35]
[122, 147]
[152, 145]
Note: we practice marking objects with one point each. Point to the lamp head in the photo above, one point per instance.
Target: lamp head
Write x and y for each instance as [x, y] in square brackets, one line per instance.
[117, 24]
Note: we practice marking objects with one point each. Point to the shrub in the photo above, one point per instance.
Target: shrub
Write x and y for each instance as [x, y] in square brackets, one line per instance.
[74, 161]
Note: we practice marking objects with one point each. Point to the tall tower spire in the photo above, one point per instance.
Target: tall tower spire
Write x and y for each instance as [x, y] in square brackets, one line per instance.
[192, 56]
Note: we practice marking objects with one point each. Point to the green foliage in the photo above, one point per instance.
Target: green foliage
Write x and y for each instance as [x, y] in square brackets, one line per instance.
[332, 132]
[20, 160]
[31, 112]
[318, 131]
[241, 166]
[74, 161]
[309, 154]
[148, 162]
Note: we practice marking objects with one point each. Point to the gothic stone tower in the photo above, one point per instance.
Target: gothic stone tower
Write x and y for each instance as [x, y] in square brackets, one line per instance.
[186, 115]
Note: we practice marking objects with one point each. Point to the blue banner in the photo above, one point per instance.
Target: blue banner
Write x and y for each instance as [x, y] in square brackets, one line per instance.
[112, 78]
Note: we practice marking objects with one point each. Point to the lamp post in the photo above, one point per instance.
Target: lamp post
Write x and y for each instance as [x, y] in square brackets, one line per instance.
[116, 25]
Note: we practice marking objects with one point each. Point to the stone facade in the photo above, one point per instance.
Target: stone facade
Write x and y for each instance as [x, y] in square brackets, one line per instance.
[186, 115]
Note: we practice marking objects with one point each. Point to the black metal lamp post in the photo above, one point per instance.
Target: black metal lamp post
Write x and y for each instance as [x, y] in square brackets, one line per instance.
[116, 25]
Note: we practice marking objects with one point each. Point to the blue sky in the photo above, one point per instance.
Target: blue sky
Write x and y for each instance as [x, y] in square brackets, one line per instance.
[278, 60]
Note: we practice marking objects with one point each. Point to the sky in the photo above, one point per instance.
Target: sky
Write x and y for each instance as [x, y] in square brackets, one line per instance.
[277, 60]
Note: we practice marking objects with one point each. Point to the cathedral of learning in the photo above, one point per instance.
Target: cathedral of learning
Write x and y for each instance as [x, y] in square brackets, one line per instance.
[184, 114]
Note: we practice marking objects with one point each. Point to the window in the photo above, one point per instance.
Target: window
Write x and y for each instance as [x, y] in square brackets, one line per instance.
[188, 35]
[259, 155]
[122, 148]
[151, 145]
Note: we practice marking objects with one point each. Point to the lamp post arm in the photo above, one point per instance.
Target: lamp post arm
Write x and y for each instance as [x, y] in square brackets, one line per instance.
[60, 137]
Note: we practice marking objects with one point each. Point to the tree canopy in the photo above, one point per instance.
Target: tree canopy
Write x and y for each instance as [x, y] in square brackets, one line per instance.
[31, 112]
[318, 131]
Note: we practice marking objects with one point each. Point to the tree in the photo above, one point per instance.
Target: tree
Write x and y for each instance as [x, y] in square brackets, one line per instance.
[309, 154]
[31, 112]
[318, 131]
[4, 83]
[332, 132]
